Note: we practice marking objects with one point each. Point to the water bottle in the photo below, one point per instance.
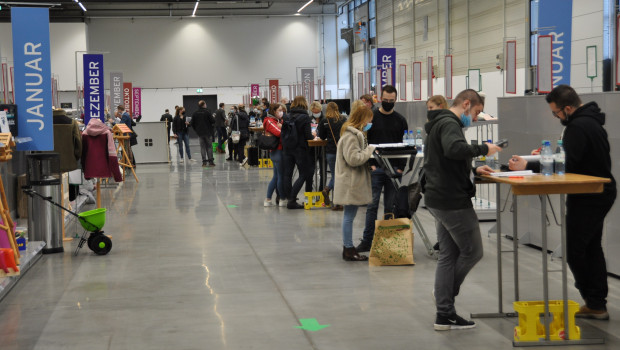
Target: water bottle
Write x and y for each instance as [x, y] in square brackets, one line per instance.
[411, 138]
[546, 158]
[490, 160]
[419, 142]
[559, 159]
[405, 138]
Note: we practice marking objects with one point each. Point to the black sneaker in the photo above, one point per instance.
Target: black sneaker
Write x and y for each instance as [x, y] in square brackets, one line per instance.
[454, 321]
[364, 246]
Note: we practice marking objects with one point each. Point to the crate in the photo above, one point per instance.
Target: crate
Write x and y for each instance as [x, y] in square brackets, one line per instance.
[531, 327]
[314, 200]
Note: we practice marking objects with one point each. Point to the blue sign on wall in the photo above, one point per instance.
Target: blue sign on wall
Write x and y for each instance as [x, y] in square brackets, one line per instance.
[33, 77]
[555, 18]
[93, 88]
[386, 58]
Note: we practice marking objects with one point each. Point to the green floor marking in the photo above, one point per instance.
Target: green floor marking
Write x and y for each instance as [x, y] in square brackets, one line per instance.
[232, 206]
[311, 324]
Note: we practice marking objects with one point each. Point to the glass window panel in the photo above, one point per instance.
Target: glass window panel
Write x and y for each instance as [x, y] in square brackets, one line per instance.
[372, 10]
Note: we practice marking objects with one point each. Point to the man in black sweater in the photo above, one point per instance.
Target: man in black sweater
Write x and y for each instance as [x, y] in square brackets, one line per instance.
[388, 126]
[448, 190]
[166, 117]
[587, 152]
[202, 122]
[220, 127]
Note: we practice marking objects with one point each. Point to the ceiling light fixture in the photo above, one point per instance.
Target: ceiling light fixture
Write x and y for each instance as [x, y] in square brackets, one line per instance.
[303, 7]
[195, 8]
[82, 6]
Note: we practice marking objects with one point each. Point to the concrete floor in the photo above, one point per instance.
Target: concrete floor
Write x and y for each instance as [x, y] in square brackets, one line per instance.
[199, 263]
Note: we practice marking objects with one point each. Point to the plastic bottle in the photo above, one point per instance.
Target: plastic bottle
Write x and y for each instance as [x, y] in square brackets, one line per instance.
[419, 142]
[406, 138]
[490, 160]
[411, 138]
[546, 158]
[559, 159]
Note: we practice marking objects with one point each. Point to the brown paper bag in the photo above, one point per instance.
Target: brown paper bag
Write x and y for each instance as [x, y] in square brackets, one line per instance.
[393, 243]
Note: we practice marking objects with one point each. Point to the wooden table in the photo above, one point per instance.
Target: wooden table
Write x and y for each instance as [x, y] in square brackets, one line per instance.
[542, 185]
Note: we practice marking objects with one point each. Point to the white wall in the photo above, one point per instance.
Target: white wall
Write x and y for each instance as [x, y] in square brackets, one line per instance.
[206, 52]
[65, 39]
[587, 30]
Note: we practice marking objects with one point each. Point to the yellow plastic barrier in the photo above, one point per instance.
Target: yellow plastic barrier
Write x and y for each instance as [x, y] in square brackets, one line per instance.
[265, 163]
[314, 200]
[531, 328]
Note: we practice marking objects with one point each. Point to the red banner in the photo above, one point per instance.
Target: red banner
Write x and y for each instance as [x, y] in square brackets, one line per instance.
[274, 91]
[127, 97]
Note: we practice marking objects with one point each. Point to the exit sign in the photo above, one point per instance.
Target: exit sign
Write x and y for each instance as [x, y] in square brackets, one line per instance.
[198, 90]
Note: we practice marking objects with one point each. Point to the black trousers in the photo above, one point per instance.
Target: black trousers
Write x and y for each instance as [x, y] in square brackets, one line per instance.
[585, 216]
[315, 157]
[301, 159]
[239, 149]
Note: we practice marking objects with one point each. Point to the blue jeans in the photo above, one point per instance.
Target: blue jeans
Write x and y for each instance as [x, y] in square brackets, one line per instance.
[184, 139]
[331, 162]
[380, 181]
[277, 181]
[347, 225]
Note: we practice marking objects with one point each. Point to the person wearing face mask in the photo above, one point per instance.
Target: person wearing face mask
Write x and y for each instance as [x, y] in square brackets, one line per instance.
[316, 116]
[448, 189]
[388, 126]
[587, 152]
[273, 126]
[329, 130]
[353, 183]
[436, 102]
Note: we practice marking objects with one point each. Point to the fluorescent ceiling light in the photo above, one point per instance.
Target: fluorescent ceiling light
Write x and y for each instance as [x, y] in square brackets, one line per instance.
[82, 6]
[303, 7]
[195, 8]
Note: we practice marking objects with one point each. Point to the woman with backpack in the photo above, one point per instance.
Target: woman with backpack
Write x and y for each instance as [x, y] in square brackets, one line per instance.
[353, 185]
[329, 129]
[273, 126]
[296, 132]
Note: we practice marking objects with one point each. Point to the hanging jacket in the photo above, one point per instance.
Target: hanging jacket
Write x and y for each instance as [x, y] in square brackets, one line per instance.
[99, 157]
[67, 141]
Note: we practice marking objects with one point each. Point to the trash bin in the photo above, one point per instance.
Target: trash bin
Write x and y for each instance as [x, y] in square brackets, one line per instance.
[44, 219]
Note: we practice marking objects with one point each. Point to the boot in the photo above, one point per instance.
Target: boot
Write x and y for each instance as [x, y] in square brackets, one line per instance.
[350, 254]
[326, 195]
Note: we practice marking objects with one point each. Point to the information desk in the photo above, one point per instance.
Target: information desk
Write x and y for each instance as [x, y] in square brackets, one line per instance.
[319, 152]
[542, 185]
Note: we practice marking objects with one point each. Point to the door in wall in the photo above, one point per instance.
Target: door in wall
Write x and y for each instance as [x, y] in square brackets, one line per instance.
[190, 102]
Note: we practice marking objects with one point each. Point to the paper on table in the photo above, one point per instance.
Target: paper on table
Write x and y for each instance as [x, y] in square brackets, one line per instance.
[513, 173]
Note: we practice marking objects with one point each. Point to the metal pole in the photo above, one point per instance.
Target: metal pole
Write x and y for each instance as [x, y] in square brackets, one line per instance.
[564, 257]
[515, 244]
[543, 215]
[499, 247]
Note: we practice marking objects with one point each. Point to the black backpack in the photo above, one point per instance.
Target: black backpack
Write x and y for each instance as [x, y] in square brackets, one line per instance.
[289, 133]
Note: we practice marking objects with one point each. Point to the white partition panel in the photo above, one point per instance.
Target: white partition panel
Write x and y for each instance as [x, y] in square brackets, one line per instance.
[448, 80]
[545, 63]
[402, 82]
[417, 81]
[360, 84]
[511, 67]
[429, 75]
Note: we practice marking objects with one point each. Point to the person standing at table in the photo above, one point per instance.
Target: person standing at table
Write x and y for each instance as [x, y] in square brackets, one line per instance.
[296, 154]
[166, 117]
[329, 129]
[448, 189]
[587, 152]
[388, 126]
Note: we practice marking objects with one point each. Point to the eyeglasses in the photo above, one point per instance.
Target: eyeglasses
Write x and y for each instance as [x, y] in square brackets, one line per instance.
[555, 114]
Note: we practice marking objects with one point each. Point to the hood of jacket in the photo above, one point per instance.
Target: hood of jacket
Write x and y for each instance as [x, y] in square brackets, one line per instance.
[95, 127]
[588, 110]
[438, 115]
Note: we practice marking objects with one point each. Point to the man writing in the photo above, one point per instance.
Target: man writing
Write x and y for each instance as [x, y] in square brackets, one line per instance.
[587, 152]
[448, 191]
[388, 126]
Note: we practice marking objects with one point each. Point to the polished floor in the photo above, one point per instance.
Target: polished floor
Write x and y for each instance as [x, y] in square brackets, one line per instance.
[199, 263]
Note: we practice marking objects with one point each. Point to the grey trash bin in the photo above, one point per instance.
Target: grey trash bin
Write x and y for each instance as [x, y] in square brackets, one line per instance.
[44, 219]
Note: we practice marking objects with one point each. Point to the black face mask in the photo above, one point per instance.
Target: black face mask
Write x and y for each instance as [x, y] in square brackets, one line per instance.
[387, 106]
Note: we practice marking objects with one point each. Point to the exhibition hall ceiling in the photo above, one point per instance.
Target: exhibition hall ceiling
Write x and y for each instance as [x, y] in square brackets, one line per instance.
[70, 10]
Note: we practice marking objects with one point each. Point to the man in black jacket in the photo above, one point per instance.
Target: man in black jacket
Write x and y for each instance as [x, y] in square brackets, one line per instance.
[388, 126]
[202, 122]
[587, 152]
[166, 117]
[448, 191]
[220, 127]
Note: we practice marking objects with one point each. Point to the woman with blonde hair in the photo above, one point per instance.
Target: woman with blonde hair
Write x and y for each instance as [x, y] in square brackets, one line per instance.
[353, 186]
[436, 102]
[329, 129]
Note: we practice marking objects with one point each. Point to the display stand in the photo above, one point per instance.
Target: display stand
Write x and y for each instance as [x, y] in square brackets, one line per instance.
[120, 131]
[319, 151]
[542, 185]
[6, 154]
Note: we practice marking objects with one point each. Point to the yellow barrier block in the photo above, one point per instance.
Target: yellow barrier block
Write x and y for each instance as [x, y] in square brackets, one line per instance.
[314, 200]
[265, 163]
[531, 315]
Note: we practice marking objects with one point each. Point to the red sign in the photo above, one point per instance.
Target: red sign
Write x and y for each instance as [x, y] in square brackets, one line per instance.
[254, 90]
[127, 97]
[274, 91]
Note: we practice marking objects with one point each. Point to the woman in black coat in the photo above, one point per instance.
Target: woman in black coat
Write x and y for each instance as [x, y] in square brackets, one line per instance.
[241, 123]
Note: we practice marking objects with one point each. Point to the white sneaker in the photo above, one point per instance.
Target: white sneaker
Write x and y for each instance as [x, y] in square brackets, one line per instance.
[181, 161]
[267, 203]
[244, 161]
[193, 160]
[283, 202]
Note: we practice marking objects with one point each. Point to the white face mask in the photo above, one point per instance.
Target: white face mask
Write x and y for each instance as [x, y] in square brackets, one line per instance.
[316, 115]
[279, 114]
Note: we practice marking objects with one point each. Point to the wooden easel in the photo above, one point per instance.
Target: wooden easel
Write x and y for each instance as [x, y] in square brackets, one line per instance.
[119, 134]
[6, 154]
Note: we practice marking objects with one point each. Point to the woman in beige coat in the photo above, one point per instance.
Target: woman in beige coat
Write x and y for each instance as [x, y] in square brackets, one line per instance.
[352, 187]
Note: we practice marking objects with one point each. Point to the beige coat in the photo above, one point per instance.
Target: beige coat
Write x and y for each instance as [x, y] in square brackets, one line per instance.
[352, 183]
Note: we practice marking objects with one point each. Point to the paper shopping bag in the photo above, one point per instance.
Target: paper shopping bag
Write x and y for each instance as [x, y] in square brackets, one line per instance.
[393, 243]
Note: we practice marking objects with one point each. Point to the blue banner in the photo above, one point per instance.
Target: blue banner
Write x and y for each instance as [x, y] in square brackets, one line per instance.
[555, 18]
[386, 58]
[94, 102]
[33, 78]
